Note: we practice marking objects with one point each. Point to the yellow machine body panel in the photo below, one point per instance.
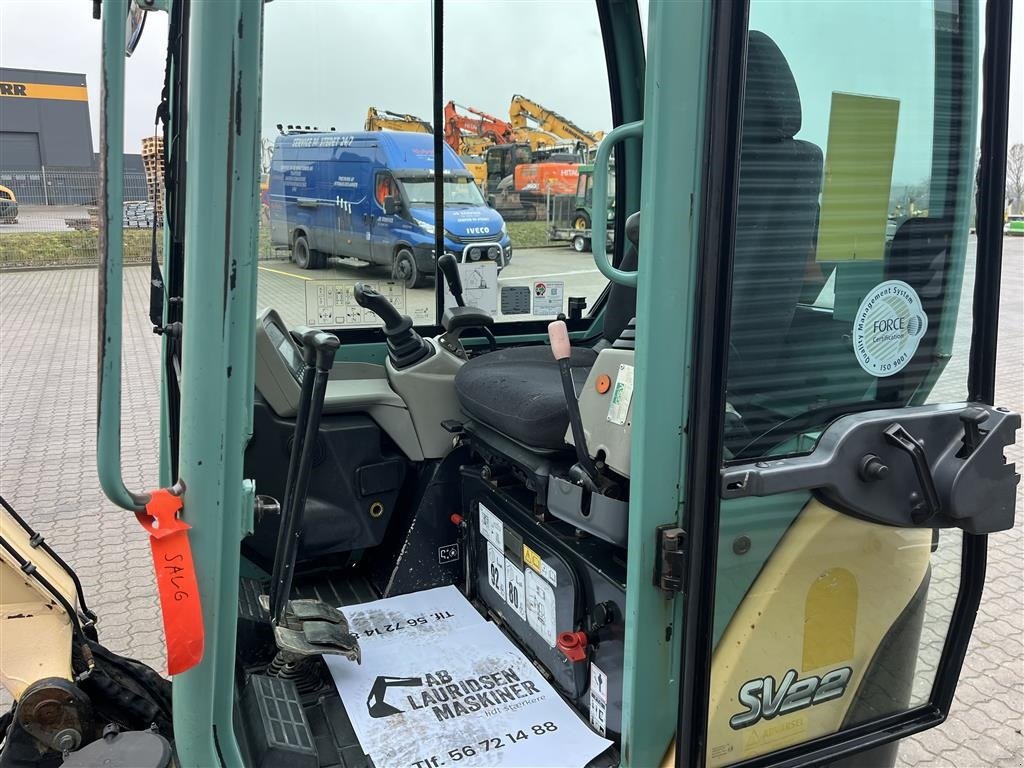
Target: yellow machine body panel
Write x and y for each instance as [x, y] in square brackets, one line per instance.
[822, 604]
[35, 631]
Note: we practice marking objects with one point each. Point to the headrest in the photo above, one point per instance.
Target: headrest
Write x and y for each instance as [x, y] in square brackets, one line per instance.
[772, 108]
[633, 228]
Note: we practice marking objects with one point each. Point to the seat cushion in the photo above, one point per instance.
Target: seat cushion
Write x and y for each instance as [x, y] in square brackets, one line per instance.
[518, 392]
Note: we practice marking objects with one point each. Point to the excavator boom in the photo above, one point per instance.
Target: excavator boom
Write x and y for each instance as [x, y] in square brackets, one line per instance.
[384, 120]
[522, 110]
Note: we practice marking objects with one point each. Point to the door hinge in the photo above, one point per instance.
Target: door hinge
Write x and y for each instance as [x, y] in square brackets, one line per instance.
[669, 566]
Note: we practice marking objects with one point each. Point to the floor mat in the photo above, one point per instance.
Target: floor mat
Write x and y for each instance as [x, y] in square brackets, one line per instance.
[438, 684]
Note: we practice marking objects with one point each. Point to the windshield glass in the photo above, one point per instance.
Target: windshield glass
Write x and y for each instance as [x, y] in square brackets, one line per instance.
[460, 191]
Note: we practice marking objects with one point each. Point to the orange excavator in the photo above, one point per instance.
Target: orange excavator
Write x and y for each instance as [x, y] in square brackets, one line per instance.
[521, 166]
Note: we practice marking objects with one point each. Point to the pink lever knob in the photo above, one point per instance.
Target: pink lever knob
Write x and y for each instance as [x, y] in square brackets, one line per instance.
[559, 336]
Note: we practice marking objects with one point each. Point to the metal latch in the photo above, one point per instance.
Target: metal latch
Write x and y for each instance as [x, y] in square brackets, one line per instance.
[668, 568]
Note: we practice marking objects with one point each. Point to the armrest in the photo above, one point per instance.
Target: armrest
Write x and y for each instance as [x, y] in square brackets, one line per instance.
[457, 318]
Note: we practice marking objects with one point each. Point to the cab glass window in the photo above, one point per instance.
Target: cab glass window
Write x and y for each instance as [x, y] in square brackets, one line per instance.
[851, 274]
[346, 126]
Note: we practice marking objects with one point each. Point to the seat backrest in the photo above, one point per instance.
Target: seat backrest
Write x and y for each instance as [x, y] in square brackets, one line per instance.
[776, 227]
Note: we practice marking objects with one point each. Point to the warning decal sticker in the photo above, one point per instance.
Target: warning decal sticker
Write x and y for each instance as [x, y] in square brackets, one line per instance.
[414, 703]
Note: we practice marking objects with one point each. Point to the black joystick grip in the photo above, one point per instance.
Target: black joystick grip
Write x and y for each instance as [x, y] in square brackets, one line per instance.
[450, 269]
[369, 298]
[405, 346]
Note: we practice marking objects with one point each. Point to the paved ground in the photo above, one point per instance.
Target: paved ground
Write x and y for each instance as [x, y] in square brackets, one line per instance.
[47, 470]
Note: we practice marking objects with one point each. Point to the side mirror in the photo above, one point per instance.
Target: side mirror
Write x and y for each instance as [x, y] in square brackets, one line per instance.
[392, 205]
[490, 201]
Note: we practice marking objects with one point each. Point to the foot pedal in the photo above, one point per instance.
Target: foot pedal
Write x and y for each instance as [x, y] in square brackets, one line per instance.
[279, 733]
[311, 628]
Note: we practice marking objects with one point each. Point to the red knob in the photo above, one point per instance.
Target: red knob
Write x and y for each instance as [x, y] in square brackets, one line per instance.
[573, 645]
[456, 518]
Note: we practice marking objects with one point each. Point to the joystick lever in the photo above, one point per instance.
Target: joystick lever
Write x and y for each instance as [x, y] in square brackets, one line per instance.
[450, 269]
[585, 472]
[405, 346]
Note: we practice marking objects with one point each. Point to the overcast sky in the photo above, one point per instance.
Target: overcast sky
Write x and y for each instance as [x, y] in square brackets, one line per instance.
[316, 73]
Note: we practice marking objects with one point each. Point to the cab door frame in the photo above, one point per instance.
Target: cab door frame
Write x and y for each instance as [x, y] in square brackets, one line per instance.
[706, 412]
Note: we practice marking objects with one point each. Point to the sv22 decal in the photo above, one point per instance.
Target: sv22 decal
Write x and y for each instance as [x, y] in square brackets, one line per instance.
[764, 699]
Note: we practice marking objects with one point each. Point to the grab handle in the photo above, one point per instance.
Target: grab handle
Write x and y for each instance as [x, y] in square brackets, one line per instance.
[111, 245]
[599, 234]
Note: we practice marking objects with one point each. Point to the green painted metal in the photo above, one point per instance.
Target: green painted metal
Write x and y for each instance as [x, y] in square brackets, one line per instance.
[599, 222]
[111, 246]
[218, 354]
[670, 194]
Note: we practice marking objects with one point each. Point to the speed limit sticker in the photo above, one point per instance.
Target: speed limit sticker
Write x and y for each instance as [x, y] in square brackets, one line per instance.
[496, 570]
[515, 588]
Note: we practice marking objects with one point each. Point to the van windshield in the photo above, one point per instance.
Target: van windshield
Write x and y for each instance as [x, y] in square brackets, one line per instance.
[461, 191]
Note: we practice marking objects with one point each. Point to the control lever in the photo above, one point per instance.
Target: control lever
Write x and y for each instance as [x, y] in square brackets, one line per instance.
[928, 504]
[584, 471]
[405, 346]
[450, 269]
[318, 348]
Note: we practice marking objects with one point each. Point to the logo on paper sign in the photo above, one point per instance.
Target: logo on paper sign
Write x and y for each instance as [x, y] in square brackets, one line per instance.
[540, 289]
[888, 328]
[449, 698]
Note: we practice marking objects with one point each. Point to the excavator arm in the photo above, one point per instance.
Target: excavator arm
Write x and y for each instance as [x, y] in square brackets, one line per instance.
[522, 110]
[383, 120]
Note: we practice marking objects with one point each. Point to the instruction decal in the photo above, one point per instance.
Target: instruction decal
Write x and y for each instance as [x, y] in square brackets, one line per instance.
[622, 395]
[332, 303]
[888, 328]
[540, 607]
[414, 703]
[598, 699]
[479, 286]
[548, 297]
[491, 528]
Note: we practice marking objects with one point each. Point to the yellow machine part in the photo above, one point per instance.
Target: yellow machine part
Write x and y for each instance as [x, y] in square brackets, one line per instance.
[825, 599]
[35, 631]
[478, 168]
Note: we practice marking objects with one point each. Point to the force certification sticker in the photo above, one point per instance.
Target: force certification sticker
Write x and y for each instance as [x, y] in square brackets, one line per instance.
[889, 325]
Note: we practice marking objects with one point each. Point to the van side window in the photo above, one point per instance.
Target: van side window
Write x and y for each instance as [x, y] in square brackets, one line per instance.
[385, 187]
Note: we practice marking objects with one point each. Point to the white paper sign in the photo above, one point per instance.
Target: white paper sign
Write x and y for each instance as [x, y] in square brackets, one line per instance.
[473, 700]
[426, 614]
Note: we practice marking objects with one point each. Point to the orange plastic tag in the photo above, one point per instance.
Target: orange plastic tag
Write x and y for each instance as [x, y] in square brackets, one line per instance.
[175, 580]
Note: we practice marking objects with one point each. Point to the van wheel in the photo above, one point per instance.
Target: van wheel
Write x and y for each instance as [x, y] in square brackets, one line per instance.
[406, 271]
[301, 253]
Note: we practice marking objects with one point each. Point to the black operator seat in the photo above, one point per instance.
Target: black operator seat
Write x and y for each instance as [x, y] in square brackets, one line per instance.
[776, 220]
[518, 391]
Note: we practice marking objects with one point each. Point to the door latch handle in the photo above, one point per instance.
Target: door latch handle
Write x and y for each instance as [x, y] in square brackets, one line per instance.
[927, 505]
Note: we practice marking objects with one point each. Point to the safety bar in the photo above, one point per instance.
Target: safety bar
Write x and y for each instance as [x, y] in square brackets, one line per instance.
[599, 233]
[111, 242]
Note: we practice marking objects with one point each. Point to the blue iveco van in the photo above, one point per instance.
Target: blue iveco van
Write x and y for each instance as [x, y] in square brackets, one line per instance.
[370, 196]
